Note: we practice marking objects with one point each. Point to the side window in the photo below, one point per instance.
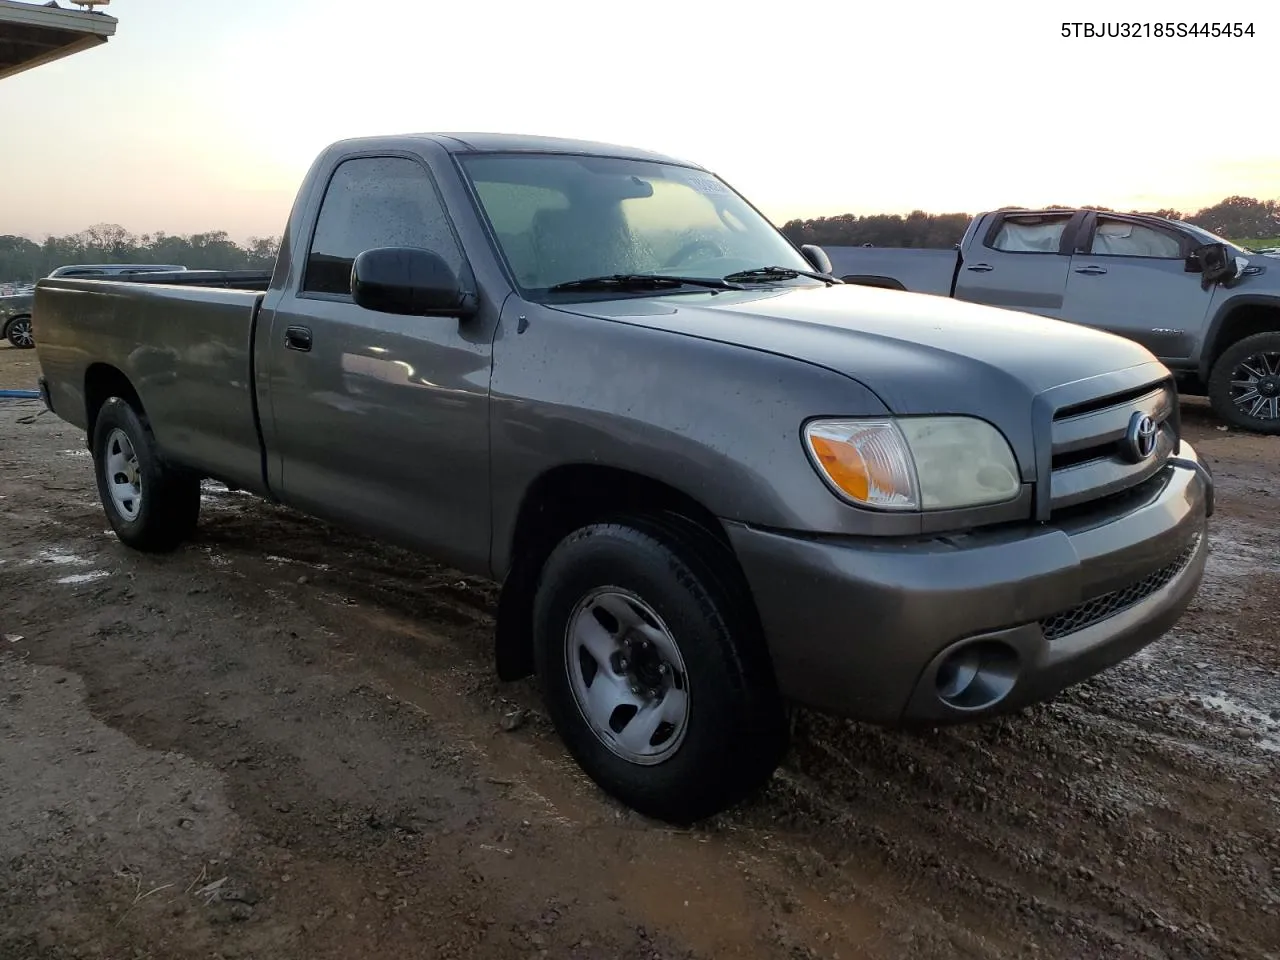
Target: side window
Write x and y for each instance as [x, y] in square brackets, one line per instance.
[375, 202]
[1035, 234]
[1119, 238]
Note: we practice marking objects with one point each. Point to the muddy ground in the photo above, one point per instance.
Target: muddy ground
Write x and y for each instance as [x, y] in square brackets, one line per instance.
[285, 741]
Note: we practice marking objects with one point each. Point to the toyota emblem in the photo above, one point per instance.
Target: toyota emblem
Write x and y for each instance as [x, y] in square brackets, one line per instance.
[1140, 438]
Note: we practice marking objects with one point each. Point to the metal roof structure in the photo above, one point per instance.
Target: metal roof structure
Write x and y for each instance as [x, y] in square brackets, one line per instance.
[32, 34]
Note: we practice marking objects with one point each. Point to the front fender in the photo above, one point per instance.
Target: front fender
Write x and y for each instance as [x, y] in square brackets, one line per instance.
[1210, 347]
[719, 423]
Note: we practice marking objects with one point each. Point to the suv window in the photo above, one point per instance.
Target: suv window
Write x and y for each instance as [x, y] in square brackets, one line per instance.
[1121, 238]
[1032, 234]
[375, 202]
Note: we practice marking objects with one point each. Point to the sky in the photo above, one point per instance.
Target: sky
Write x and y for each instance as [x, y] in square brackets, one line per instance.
[205, 114]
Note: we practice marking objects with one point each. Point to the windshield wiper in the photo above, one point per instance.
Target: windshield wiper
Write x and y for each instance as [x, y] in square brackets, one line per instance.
[779, 273]
[643, 281]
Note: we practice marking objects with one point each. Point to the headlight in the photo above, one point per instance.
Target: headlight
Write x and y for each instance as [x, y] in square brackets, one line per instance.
[914, 463]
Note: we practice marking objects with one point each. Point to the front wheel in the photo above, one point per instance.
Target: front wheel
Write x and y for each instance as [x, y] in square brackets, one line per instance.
[653, 673]
[19, 333]
[1244, 387]
[150, 505]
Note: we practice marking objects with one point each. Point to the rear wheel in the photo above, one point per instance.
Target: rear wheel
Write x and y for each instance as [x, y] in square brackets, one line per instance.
[19, 333]
[1244, 387]
[150, 505]
[654, 676]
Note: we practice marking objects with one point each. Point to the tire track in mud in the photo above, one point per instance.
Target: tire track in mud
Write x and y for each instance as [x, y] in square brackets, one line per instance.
[1085, 818]
[1130, 817]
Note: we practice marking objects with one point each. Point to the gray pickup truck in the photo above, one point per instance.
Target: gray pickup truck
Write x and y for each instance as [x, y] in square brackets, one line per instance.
[1209, 309]
[712, 480]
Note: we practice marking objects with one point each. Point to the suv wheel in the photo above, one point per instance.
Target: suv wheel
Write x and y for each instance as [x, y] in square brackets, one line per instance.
[1244, 387]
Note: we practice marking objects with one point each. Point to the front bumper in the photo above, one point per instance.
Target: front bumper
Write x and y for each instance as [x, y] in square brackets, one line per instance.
[887, 631]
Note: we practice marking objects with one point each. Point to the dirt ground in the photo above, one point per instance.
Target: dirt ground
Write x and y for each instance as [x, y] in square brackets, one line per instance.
[286, 741]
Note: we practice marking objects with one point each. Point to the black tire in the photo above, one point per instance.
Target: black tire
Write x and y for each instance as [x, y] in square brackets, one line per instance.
[18, 333]
[168, 504]
[735, 734]
[1261, 348]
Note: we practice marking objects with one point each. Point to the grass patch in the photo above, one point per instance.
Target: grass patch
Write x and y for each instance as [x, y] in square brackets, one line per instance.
[1264, 243]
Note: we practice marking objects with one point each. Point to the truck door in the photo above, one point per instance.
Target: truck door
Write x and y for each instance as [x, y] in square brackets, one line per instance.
[380, 420]
[1019, 261]
[1129, 277]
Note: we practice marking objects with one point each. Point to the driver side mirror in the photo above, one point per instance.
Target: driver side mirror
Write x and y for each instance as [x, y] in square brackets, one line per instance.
[817, 257]
[1214, 263]
[408, 281]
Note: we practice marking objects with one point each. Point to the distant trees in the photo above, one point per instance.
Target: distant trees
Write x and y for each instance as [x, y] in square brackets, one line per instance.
[1241, 218]
[23, 259]
[1237, 218]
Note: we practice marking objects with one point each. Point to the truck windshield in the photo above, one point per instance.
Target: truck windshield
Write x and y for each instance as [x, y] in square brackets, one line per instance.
[561, 218]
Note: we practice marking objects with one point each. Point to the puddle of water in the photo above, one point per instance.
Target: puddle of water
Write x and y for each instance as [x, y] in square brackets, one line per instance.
[272, 558]
[83, 577]
[58, 557]
[1255, 719]
[211, 489]
[1238, 551]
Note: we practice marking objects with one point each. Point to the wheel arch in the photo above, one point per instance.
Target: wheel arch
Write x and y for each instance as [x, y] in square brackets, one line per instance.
[562, 499]
[1240, 317]
[102, 381]
[10, 321]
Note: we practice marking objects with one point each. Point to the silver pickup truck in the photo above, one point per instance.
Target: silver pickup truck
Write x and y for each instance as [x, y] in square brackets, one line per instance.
[712, 480]
[1209, 309]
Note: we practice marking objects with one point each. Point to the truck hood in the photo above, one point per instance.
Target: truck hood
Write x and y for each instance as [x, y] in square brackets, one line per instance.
[920, 354]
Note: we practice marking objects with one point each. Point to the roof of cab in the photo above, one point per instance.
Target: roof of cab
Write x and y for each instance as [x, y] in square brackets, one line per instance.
[527, 143]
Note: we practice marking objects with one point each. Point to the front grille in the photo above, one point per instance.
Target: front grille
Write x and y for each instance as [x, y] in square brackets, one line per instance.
[1091, 456]
[1109, 604]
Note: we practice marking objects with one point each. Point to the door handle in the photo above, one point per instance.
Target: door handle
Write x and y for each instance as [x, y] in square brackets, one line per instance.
[981, 268]
[1092, 271]
[298, 338]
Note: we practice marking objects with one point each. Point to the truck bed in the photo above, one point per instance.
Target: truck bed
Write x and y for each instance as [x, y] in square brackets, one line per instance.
[919, 270]
[257, 280]
[185, 346]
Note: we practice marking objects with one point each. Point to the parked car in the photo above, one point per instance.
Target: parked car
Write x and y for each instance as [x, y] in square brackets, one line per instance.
[15, 319]
[711, 479]
[1209, 309]
[15, 312]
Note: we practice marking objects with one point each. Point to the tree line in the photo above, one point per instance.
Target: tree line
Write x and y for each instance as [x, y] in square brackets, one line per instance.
[23, 259]
[1237, 218]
